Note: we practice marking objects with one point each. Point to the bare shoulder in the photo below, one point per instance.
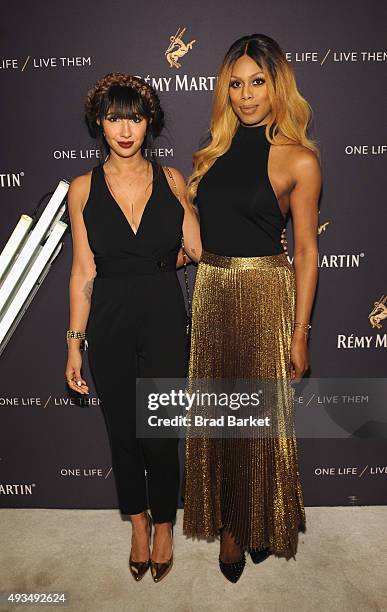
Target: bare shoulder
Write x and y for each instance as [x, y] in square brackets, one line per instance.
[79, 190]
[80, 183]
[298, 160]
[301, 159]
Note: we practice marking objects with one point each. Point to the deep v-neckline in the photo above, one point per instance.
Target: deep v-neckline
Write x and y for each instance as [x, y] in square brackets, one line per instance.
[135, 234]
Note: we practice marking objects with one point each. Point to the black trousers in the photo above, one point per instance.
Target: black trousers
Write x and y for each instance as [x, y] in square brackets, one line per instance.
[136, 328]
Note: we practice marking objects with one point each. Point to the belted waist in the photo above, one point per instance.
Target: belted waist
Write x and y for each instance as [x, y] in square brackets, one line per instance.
[110, 267]
[245, 263]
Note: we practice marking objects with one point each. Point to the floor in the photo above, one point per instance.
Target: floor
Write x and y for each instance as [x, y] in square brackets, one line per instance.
[341, 565]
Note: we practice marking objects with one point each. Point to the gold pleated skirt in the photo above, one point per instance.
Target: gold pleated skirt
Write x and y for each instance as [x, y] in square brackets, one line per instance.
[242, 320]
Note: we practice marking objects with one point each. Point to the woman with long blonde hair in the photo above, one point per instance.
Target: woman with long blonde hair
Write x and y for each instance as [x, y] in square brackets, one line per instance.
[251, 306]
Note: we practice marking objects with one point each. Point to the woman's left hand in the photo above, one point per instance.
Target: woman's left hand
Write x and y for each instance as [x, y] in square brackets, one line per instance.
[299, 355]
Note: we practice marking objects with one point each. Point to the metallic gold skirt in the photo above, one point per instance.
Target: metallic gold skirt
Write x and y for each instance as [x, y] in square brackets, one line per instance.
[242, 320]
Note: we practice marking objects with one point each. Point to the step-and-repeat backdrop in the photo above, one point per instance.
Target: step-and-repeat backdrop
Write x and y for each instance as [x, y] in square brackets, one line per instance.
[53, 446]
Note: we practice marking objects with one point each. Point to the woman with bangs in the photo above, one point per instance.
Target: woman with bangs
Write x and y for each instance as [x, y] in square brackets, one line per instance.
[128, 216]
[251, 307]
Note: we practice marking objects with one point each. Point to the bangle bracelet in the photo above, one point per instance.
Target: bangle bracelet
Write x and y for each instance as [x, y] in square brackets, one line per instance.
[304, 325]
[79, 336]
[75, 334]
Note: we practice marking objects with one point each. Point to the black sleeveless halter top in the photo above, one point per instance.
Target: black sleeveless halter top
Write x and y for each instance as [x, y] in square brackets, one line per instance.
[117, 249]
[239, 212]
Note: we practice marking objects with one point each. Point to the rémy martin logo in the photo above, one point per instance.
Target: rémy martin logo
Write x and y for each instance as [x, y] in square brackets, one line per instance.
[378, 313]
[177, 48]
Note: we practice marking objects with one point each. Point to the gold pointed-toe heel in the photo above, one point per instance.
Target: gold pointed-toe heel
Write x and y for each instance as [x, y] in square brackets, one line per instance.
[138, 569]
[160, 570]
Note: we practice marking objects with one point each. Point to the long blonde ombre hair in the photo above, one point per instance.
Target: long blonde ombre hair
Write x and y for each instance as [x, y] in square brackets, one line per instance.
[290, 112]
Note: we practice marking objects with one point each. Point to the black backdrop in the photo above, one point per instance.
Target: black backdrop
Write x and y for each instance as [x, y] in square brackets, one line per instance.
[54, 450]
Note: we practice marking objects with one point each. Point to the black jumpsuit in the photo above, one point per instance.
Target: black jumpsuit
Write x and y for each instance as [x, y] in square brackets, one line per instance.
[136, 328]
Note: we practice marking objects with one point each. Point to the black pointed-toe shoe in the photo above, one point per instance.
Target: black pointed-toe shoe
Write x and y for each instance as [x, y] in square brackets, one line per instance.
[138, 569]
[258, 555]
[233, 571]
[160, 570]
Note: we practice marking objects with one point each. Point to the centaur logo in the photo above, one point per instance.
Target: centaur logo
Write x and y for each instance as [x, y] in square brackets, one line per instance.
[177, 48]
[17, 489]
[321, 228]
[11, 179]
[379, 312]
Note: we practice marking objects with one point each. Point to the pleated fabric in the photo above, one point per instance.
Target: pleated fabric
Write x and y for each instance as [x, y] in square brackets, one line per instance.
[242, 321]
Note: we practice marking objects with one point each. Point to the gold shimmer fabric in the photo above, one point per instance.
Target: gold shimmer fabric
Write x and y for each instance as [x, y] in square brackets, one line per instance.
[242, 320]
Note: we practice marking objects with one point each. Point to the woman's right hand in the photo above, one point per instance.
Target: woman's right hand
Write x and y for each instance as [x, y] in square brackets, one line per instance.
[73, 371]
